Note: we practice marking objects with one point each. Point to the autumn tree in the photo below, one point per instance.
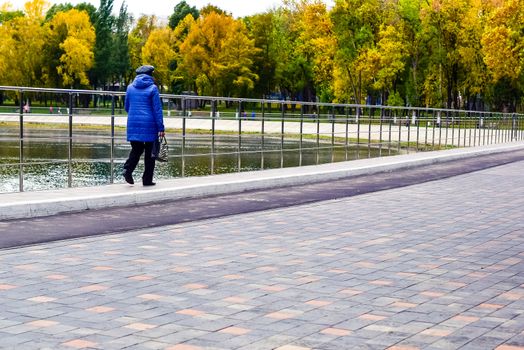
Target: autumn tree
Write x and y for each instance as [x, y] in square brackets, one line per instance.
[8, 71]
[138, 37]
[235, 61]
[503, 49]
[69, 40]
[22, 42]
[217, 56]
[208, 9]
[180, 34]
[159, 52]
[314, 48]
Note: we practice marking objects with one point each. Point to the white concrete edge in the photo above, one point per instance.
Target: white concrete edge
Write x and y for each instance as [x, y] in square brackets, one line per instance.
[256, 180]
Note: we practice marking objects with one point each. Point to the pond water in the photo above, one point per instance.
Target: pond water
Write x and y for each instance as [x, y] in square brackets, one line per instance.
[46, 154]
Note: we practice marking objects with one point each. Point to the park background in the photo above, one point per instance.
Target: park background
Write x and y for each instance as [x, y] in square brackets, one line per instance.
[466, 54]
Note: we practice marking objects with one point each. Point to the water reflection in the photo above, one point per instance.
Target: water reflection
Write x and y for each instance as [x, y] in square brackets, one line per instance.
[46, 154]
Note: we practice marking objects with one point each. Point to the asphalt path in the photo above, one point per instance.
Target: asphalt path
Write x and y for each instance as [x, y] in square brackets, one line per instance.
[22, 232]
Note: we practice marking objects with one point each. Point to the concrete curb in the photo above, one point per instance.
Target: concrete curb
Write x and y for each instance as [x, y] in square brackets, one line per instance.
[45, 203]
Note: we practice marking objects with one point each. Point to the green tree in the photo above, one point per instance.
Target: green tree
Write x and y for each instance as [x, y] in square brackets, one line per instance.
[356, 24]
[6, 14]
[64, 7]
[443, 21]
[181, 10]
[103, 24]
[262, 29]
[382, 64]
[410, 23]
[120, 58]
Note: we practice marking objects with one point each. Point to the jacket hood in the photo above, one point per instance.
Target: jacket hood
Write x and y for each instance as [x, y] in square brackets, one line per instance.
[143, 81]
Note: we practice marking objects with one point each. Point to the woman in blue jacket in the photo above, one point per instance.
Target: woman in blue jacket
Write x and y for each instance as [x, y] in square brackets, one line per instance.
[145, 123]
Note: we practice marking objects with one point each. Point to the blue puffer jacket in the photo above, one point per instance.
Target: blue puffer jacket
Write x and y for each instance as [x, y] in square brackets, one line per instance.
[144, 110]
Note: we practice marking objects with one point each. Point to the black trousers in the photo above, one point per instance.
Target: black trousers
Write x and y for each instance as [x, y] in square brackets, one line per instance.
[137, 148]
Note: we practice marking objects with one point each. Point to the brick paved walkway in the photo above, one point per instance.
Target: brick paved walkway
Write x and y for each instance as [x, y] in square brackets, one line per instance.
[432, 266]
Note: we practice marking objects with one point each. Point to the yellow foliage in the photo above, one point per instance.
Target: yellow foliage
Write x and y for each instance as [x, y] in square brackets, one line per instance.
[36, 9]
[217, 55]
[159, 52]
[76, 47]
[21, 42]
[503, 43]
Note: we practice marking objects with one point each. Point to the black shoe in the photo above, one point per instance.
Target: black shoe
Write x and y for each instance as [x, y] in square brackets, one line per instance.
[150, 184]
[128, 177]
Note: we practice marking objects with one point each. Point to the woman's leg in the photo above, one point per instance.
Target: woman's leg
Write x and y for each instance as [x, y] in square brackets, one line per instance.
[137, 148]
[149, 164]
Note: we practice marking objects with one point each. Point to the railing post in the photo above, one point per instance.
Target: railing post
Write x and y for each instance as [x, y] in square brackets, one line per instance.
[484, 130]
[399, 121]
[380, 132]
[347, 109]
[301, 134]
[263, 126]
[453, 115]
[239, 157]
[439, 121]
[183, 150]
[282, 130]
[461, 123]
[371, 112]
[213, 126]
[332, 134]
[317, 107]
[357, 119]
[408, 121]
[416, 121]
[112, 151]
[513, 120]
[434, 122]
[477, 126]
[425, 130]
[468, 125]
[70, 148]
[519, 126]
[21, 147]
[389, 114]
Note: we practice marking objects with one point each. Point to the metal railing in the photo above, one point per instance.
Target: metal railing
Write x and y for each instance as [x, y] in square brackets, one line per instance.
[272, 131]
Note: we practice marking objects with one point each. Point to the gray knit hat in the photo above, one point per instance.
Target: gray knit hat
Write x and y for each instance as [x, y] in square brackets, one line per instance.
[145, 70]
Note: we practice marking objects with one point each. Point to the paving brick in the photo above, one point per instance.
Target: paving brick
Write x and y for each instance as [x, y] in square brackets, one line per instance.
[431, 266]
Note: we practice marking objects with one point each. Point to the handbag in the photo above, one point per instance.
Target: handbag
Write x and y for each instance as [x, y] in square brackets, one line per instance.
[160, 150]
